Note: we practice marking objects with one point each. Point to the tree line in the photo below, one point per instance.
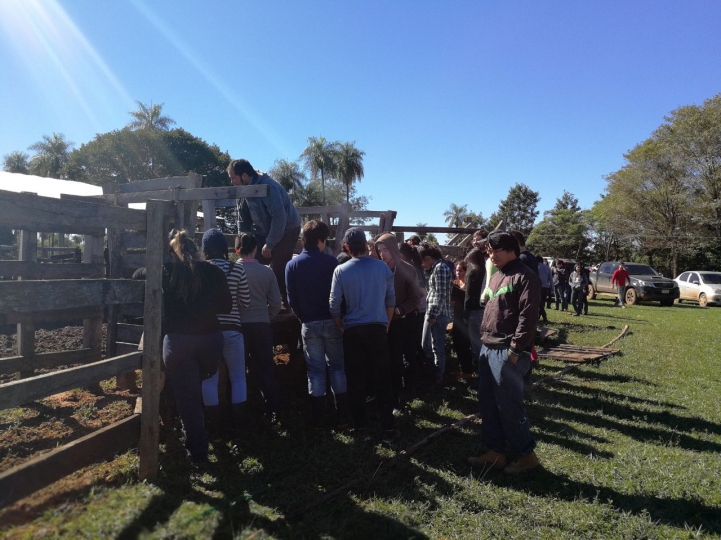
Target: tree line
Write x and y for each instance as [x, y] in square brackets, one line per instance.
[324, 174]
[663, 207]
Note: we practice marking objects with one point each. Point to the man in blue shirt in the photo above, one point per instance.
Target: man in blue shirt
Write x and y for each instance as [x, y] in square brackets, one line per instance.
[366, 286]
[273, 220]
[308, 279]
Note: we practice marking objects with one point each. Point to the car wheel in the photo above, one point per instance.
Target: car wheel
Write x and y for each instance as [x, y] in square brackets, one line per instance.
[591, 292]
[631, 298]
[702, 300]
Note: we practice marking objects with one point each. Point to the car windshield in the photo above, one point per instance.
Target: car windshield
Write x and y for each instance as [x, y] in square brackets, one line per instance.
[714, 279]
[640, 270]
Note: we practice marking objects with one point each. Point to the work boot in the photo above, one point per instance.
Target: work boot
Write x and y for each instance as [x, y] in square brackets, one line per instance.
[492, 459]
[240, 418]
[522, 464]
[342, 410]
[318, 415]
[214, 423]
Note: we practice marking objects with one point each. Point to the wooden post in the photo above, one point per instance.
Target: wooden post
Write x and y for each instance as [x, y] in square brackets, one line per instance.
[27, 251]
[149, 431]
[343, 219]
[209, 218]
[93, 326]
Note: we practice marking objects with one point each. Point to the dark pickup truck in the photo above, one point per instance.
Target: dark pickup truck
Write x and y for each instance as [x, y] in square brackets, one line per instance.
[646, 284]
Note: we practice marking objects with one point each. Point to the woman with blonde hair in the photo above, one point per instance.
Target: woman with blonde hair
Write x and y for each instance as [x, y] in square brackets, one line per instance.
[194, 291]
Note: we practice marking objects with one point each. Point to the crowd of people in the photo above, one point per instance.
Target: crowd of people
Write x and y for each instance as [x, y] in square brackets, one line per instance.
[373, 323]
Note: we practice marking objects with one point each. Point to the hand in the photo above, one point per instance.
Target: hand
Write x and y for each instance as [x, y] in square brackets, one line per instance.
[267, 253]
[513, 357]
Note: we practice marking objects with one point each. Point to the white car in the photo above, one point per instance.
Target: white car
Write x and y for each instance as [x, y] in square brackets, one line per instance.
[701, 287]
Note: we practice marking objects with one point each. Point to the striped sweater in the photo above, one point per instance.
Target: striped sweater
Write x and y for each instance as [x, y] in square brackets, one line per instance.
[239, 291]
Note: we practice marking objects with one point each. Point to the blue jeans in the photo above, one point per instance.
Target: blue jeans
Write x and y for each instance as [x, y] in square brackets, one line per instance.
[475, 318]
[259, 352]
[621, 294]
[183, 355]
[234, 356]
[561, 295]
[434, 343]
[500, 392]
[323, 348]
[577, 300]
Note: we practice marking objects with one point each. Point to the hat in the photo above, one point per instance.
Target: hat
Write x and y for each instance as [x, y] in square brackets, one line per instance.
[214, 242]
[415, 238]
[354, 235]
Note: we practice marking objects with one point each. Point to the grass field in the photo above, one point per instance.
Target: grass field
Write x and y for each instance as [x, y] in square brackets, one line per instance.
[630, 449]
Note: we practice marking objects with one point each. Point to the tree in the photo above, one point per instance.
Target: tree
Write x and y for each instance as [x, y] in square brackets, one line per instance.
[563, 232]
[349, 165]
[51, 155]
[16, 162]
[426, 237]
[150, 117]
[129, 156]
[319, 159]
[518, 209]
[289, 175]
[456, 215]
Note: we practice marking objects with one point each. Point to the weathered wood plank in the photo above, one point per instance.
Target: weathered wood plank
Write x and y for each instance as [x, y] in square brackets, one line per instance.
[62, 215]
[57, 315]
[155, 184]
[133, 260]
[45, 360]
[130, 333]
[27, 253]
[41, 471]
[16, 393]
[196, 194]
[35, 270]
[27, 296]
[150, 430]
[125, 348]
[209, 215]
[132, 239]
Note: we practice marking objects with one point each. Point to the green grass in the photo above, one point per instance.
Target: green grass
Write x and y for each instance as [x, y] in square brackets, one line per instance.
[630, 449]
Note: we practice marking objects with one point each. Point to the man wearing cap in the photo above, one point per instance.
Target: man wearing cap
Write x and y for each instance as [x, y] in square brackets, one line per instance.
[507, 332]
[366, 286]
[308, 279]
[273, 220]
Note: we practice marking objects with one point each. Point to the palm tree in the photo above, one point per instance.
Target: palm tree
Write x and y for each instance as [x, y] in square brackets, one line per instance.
[150, 117]
[16, 162]
[426, 237]
[455, 215]
[288, 174]
[52, 154]
[319, 158]
[349, 165]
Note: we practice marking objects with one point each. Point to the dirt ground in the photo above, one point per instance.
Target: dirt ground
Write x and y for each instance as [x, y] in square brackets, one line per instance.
[41, 426]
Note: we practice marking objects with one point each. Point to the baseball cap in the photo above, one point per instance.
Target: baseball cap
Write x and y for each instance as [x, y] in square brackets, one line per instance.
[354, 235]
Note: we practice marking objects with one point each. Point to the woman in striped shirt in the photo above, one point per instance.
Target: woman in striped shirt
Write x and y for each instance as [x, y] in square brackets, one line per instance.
[215, 250]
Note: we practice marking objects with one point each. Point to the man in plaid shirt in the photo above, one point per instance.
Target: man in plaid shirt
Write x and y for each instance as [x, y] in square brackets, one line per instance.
[438, 312]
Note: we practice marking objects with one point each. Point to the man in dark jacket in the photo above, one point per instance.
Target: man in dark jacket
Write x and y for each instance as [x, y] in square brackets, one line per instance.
[507, 333]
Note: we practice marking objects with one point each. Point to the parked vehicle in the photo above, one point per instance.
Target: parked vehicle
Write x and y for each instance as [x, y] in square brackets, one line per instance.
[701, 287]
[646, 284]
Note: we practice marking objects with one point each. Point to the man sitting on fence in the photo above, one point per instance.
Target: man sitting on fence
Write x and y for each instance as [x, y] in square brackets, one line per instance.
[273, 220]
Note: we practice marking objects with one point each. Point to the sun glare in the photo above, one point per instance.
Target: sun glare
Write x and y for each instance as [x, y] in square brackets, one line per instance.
[59, 57]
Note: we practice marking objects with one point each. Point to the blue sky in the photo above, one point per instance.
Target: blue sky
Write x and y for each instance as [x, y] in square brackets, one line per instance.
[453, 101]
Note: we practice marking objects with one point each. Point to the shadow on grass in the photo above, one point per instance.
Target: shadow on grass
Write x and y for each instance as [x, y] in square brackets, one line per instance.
[681, 513]
[608, 414]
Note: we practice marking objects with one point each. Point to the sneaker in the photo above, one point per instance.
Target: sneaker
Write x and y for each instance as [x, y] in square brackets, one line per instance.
[492, 459]
[523, 464]
[389, 436]
[575, 314]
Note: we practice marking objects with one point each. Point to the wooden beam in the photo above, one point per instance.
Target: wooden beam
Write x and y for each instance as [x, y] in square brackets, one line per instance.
[130, 239]
[130, 333]
[155, 184]
[27, 253]
[48, 214]
[41, 471]
[424, 230]
[57, 315]
[36, 270]
[150, 429]
[16, 393]
[45, 360]
[197, 194]
[122, 347]
[27, 296]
